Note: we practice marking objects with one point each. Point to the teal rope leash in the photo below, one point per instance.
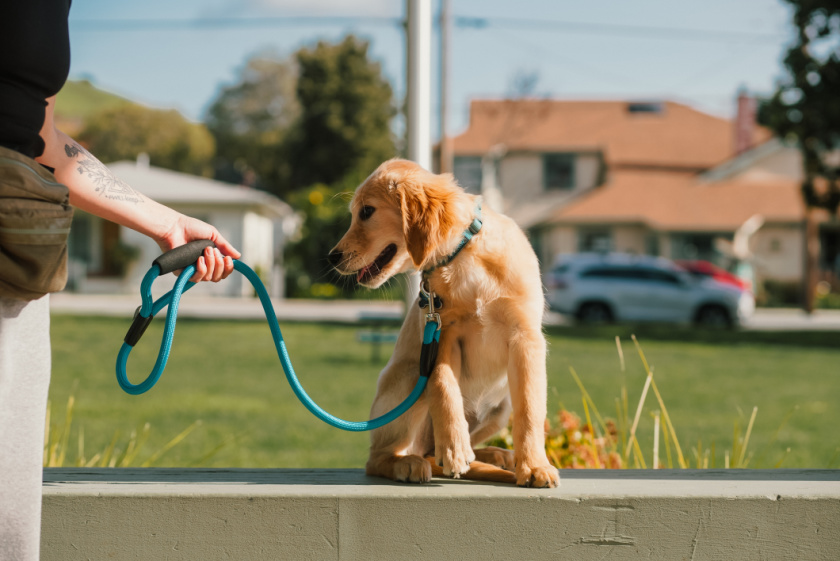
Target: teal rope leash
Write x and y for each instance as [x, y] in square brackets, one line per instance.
[189, 253]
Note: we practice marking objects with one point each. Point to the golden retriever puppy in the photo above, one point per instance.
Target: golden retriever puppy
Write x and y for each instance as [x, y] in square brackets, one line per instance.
[492, 351]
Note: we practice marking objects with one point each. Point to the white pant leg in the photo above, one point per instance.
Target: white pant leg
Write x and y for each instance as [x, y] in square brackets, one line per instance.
[24, 383]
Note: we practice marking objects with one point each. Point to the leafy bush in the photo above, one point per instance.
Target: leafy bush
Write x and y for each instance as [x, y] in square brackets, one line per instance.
[825, 298]
[778, 294]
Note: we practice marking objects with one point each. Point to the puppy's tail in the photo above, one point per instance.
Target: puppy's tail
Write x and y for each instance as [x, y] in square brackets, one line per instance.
[479, 471]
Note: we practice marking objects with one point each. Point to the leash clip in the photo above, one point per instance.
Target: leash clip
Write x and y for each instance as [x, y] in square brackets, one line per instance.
[434, 317]
[430, 299]
[426, 295]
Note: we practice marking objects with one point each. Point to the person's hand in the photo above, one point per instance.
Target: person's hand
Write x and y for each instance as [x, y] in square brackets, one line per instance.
[216, 263]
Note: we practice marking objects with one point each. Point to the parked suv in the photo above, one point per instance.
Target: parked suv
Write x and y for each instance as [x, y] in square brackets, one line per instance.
[599, 288]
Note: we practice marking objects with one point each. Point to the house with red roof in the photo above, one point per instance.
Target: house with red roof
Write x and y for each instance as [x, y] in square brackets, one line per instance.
[657, 178]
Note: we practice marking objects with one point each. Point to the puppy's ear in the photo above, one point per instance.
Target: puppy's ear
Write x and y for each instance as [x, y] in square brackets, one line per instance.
[426, 204]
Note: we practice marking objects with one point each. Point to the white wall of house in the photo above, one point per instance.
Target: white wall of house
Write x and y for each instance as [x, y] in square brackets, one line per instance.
[230, 224]
[588, 171]
[520, 176]
[665, 246]
[555, 241]
[630, 239]
[522, 180]
[780, 253]
[786, 161]
[257, 250]
[252, 233]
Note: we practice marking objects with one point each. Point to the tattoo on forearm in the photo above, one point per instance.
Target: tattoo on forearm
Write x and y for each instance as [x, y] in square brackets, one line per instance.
[107, 184]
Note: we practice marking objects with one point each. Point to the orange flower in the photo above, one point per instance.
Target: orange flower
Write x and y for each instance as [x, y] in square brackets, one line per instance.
[569, 421]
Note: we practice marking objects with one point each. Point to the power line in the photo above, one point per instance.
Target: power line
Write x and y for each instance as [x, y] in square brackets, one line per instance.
[610, 29]
[462, 22]
[201, 24]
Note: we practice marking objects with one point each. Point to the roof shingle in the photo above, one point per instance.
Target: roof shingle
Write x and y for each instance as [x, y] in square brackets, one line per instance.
[677, 137]
[676, 202]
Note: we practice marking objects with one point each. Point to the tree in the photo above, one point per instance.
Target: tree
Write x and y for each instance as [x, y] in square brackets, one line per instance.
[344, 128]
[804, 109]
[342, 134]
[805, 106]
[172, 142]
[249, 120]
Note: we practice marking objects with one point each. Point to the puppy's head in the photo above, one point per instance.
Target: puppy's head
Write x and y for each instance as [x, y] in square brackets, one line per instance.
[401, 215]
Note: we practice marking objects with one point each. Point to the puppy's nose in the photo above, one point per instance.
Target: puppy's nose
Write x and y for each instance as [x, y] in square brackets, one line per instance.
[335, 257]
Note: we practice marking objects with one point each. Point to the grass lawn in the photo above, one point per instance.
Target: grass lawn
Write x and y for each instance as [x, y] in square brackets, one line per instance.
[227, 374]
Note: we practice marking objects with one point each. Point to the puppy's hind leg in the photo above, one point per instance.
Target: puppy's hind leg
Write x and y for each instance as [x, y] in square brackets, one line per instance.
[478, 471]
[495, 421]
[397, 458]
[397, 449]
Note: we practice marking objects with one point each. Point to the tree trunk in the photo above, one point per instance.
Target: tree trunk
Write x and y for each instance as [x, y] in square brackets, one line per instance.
[812, 257]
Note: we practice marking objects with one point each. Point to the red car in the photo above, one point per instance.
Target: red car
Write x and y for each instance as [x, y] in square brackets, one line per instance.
[705, 269]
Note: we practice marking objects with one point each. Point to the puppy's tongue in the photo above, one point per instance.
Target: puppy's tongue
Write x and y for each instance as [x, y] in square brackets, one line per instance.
[362, 273]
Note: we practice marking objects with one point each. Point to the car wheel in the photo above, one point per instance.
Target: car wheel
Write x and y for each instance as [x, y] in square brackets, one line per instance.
[713, 317]
[594, 313]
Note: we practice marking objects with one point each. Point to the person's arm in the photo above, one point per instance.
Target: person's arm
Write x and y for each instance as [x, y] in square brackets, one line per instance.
[94, 189]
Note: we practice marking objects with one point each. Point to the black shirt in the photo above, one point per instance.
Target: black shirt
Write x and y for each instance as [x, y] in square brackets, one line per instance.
[34, 63]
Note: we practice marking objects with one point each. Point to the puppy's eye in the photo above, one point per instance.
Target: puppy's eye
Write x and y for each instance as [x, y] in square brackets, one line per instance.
[366, 212]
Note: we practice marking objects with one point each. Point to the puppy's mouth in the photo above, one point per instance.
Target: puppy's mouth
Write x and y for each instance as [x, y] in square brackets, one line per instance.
[370, 272]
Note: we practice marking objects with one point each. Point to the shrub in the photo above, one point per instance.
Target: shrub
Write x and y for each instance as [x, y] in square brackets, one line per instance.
[778, 294]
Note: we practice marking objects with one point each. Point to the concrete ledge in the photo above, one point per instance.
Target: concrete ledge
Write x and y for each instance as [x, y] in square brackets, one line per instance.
[205, 514]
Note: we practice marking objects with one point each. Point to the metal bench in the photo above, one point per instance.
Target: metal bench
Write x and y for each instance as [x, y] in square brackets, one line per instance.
[378, 335]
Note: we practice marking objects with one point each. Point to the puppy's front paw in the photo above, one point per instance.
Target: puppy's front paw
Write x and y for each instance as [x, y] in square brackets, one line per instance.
[542, 476]
[412, 469]
[456, 457]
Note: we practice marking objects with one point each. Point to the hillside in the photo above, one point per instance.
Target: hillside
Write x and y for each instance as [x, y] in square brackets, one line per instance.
[78, 100]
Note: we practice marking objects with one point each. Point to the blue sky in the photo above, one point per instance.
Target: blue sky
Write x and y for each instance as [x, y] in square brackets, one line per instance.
[619, 49]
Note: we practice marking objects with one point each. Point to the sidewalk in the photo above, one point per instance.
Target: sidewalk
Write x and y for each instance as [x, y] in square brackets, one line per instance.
[792, 319]
[123, 305]
[351, 311]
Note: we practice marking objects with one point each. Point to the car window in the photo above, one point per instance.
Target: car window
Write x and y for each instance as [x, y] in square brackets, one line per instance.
[600, 271]
[658, 275]
[613, 272]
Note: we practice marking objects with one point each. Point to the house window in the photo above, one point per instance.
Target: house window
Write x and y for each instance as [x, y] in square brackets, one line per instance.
[79, 241]
[558, 171]
[467, 171]
[649, 108]
[595, 240]
[696, 246]
[652, 244]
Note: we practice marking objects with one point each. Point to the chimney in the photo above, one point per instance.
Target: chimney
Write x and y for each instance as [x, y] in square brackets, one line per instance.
[744, 121]
[143, 160]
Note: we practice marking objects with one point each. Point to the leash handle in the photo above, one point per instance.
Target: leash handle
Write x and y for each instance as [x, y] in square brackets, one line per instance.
[181, 256]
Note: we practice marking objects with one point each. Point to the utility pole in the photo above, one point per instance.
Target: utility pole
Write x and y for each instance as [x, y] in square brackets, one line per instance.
[419, 51]
[446, 156]
[419, 102]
